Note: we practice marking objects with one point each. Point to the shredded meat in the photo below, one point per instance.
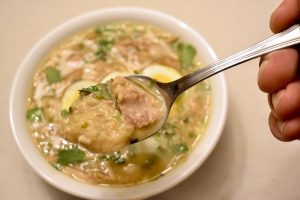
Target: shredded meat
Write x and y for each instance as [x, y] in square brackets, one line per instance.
[43, 89]
[169, 61]
[98, 70]
[140, 53]
[89, 176]
[139, 107]
[52, 109]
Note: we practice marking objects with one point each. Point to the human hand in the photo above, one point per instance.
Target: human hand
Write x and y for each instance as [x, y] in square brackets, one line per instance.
[279, 76]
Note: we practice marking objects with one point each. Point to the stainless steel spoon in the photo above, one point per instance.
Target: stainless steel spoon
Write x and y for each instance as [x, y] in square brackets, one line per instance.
[169, 91]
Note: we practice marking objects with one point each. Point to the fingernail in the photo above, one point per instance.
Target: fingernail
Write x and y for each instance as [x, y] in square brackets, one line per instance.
[276, 98]
[262, 67]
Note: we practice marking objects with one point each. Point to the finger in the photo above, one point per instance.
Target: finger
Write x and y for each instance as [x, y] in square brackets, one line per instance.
[287, 14]
[285, 131]
[286, 102]
[291, 129]
[275, 127]
[270, 101]
[277, 69]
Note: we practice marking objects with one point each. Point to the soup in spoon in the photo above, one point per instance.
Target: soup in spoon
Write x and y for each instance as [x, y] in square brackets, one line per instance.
[106, 117]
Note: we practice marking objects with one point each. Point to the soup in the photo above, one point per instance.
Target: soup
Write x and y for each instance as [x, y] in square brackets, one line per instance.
[76, 141]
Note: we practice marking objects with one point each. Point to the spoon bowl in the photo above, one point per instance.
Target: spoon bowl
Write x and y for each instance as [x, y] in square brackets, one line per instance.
[157, 88]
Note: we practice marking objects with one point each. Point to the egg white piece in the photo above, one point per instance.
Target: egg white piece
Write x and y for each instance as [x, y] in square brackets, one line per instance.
[72, 92]
[148, 145]
[161, 73]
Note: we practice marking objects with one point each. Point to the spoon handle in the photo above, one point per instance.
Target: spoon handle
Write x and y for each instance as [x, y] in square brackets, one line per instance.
[280, 40]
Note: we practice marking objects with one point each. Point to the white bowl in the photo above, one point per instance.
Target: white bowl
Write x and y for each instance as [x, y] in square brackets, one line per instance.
[56, 178]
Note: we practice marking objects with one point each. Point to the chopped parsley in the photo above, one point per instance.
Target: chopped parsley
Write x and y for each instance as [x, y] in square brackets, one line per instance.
[104, 46]
[57, 166]
[67, 156]
[137, 71]
[104, 94]
[185, 120]
[181, 148]
[101, 91]
[101, 30]
[192, 134]
[84, 125]
[34, 115]
[65, 112]
[93, 88]
[52, 75]
[186, 54]
[169, 129]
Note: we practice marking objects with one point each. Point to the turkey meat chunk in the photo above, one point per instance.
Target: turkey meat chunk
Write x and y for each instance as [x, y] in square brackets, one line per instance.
[138, 106]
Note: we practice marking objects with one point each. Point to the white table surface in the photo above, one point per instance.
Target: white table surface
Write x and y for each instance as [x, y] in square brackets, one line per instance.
[248, 163]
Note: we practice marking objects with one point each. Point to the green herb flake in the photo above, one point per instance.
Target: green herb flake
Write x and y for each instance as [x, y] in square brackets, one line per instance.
[192, 135]
[101, 91]
[80, 46]
[102, 29]
[67, 156]
[169, 129]
[85, 125]
[118, 116]
[137, 72]
[104, 49]
[101, 55]
[117, 158]
[34, 115]
[52, 75]
[105, 44]
[104, 158]
[51, 119]
[65, 112]
[57, 166]
[161, 149]
[186, 54]
[104, 94]
[181, 148]
[91, 89]
[52, 92]
[185, 120]
[99, 30]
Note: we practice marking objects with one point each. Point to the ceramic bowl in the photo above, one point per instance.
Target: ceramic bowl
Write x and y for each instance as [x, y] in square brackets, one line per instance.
[58, 179]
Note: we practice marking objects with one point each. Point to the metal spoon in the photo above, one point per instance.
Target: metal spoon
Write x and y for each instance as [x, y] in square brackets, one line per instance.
[169, 91]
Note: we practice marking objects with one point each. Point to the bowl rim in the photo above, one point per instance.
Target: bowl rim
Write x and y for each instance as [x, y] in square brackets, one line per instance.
[70, 185]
